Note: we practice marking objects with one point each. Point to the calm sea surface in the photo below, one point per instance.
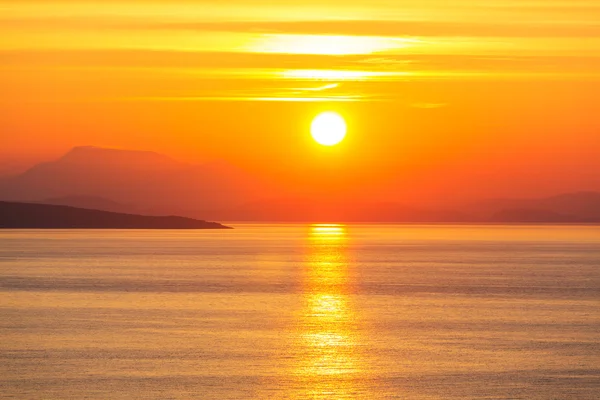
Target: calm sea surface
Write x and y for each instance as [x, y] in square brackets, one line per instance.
[302, 312]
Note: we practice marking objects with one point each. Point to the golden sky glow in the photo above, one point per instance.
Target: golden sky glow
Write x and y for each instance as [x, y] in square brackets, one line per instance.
[401, 38]
[495, 77]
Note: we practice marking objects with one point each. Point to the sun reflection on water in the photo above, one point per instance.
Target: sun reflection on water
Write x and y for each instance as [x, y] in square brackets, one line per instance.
[329, 361]
[337, 231]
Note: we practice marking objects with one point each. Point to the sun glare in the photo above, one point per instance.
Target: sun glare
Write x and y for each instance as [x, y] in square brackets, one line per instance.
[328, 128]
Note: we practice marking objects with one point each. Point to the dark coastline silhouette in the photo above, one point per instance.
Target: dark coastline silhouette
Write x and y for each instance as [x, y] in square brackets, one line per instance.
[44, 216]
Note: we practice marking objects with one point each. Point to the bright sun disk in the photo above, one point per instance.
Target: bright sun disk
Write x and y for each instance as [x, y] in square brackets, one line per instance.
[328, 128]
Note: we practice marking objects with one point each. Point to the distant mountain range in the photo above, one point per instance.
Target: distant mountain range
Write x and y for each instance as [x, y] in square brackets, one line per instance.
[44, 216]
[569, 207]
[93, 203]
[149, 183]
[155, 183]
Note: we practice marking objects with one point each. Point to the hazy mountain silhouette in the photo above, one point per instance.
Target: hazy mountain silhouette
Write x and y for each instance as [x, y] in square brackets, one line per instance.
[41, 216]
[88, 171]
[153, 182]
[568, 207]
[92, 202]
[525, 215]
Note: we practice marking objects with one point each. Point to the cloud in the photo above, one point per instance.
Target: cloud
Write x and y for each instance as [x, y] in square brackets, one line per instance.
[321, 88]
[540, 28]
[249, 65]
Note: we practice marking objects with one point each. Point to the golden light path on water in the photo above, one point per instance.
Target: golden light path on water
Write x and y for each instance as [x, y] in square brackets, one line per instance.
[329, 365]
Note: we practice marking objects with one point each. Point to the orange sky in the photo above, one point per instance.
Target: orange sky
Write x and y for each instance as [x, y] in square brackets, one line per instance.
[465, 98]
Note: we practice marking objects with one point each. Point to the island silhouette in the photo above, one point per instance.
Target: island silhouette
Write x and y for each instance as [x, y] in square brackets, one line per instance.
[44, 216]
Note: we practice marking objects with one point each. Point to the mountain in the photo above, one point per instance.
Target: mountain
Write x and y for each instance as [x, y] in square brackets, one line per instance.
[43, 216]
[524, 215]
[91, 202]
[88, 171]
[567, 207]
[582, 204]
[155, 183]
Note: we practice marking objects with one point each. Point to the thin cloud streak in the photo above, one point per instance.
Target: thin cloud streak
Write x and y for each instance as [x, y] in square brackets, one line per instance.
[320, 88]
[386, 28]
[459, 10]
[237, 64]
[319, 99]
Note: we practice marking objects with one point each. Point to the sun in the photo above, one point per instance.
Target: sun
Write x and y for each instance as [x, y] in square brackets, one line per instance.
[328, 128]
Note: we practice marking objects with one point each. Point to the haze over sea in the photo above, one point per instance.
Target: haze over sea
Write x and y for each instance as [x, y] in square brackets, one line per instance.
[302, 312]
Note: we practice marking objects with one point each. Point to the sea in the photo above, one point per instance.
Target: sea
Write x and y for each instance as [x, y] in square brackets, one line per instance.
[302, 311]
